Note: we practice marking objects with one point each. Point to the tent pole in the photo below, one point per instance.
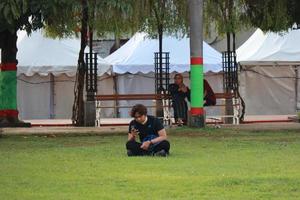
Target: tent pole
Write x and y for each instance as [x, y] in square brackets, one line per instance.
[116, 106]
[296, 88]
[52, 94]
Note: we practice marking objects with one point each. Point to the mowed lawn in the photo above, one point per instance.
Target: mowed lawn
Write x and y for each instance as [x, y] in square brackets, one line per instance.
[207, 164]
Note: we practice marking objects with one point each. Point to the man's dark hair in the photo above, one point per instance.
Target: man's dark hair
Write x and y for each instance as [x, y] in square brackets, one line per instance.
[138, 108]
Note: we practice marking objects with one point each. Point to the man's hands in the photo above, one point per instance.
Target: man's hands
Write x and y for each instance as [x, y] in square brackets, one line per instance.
[133, 134]
[145, 145]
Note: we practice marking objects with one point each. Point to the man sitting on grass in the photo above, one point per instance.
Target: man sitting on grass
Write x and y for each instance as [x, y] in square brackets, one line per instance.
[151, 133]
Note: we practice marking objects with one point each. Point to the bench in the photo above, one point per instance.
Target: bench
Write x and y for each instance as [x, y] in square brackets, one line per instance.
[166, 104]
[235, 104]
[165, 99]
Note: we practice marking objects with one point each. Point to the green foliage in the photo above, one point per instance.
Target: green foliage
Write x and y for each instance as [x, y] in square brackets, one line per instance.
[170, 15]
[273, 15]
[105, 17]
[31, 14]
[63, 17]
[224, 16]
[115, 16]
[121, 17]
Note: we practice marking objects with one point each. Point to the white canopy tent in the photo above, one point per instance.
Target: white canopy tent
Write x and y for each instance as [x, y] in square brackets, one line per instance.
[269, 77]
[133, 64]
[41, 55]
[46, 76]
[137, 55]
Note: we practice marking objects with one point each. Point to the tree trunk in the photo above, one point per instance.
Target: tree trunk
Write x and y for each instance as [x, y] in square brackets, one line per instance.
[78, 106]
[160, 40]
[228, 102]
[159, 103]
[197, 118]
[8, 79]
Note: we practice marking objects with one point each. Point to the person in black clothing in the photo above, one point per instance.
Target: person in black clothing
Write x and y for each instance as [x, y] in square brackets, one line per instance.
[149, 129]
[179, 93]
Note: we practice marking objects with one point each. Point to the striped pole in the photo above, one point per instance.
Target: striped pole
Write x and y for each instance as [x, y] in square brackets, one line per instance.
[8, 90]
[197, 118]
[196, 86]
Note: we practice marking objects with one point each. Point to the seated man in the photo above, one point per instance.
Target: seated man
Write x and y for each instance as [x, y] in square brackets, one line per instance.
[152, 135]
[180, 92]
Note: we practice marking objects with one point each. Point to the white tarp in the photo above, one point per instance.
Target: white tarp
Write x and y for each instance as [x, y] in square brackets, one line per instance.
[268, 79]
[250, 46]
[34, 96]
[46, 76]
[271, 48]
[50, 97]
[137, 55]
[43, 55]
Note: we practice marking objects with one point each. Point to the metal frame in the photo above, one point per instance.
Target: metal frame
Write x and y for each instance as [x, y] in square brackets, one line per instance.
[162, 71]
[230, 71]
[91, 75]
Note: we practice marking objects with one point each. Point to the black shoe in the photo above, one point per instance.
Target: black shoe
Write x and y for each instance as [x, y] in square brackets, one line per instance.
[161, 153]
[130, 153]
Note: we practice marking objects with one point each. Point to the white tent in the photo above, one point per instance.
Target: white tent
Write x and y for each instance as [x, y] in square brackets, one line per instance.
[43, 55]
[133, 64]
[269, 78]
[46, 75]
[137, 55]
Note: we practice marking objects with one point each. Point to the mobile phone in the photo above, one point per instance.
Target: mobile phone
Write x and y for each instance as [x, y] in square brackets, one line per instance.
[134, 130]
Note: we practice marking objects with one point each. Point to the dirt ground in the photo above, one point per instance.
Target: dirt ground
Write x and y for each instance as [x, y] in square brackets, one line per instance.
[56, 131]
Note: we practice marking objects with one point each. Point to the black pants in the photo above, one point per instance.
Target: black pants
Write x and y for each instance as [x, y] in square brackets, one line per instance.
[136, 149]
[180, 108]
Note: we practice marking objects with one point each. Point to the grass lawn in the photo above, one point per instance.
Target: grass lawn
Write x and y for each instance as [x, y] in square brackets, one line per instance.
[207, 164]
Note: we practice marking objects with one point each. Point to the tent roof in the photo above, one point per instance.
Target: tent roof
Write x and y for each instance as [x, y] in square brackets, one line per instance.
[137, 55]
[271, 49]
[42, 55]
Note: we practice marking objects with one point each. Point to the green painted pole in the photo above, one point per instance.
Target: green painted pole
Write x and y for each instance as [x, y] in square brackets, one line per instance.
[197, 117]
[8, 90]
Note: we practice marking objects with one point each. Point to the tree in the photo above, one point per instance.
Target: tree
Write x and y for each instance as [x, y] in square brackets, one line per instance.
[28, 15]
[101, 18]
[128, 16]
[227, 17]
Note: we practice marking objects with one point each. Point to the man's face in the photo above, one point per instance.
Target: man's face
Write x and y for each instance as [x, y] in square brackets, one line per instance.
[139, 118]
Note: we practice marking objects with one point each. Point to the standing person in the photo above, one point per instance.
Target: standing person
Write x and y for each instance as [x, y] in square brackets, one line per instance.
[151, 132]
[179, 93]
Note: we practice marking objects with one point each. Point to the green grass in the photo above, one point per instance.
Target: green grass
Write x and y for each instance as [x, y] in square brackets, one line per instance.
[210, 164]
